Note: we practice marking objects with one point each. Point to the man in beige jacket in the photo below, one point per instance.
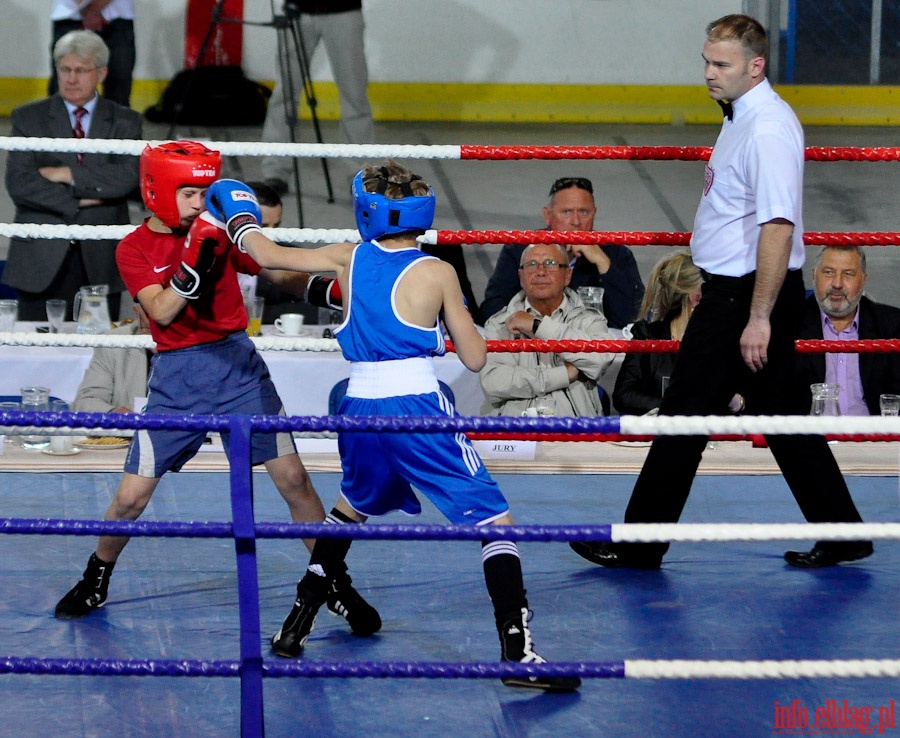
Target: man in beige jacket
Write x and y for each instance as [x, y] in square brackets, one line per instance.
[116, 376]
[545, 308]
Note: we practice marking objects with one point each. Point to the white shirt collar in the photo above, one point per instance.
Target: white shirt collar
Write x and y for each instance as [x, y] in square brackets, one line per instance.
[90, 106]
[746, 101]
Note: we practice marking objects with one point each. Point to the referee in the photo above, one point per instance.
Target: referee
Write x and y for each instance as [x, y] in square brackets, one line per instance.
[748, 242]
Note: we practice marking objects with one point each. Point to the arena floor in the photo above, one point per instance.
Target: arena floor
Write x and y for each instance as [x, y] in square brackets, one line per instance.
[176, 598]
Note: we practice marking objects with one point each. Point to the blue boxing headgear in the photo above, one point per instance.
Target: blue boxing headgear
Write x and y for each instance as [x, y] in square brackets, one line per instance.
[377, 215]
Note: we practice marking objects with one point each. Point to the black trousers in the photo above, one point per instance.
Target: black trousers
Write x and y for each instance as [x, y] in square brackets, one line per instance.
[708, 371]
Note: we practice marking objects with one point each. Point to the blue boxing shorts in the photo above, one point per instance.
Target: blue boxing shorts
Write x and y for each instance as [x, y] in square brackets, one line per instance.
[381, 469]
[222, 378]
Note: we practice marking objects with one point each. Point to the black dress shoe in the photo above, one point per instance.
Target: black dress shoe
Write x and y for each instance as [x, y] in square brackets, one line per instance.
[604, 555]
[820, 557]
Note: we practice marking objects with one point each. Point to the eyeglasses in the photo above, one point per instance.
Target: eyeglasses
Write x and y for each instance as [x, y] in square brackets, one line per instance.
[564, 183]
[551, 265]
[77, 71]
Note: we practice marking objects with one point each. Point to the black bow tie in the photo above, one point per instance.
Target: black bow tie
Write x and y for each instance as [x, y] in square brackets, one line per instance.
[727, 109]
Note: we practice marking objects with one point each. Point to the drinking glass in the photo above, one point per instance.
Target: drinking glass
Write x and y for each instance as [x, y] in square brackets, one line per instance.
[61, 444]
[35, 399]
[9, 312]
[592, 297]
[56, 314]
[255, 308]
[890, 404]
[12, 438]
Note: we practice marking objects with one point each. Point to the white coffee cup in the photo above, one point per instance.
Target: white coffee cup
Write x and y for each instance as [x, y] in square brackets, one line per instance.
[61, 444]
[289, 324]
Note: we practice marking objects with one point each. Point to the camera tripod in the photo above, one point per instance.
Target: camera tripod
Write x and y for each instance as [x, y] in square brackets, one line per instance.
[292, 60]
[292, 48]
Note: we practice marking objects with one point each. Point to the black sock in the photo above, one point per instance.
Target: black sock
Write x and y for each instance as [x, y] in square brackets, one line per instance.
[503, 576]
[327, 559]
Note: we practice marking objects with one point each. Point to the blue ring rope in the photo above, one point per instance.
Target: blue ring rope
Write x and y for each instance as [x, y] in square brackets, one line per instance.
[332, 423]
[333, 669]
[379, 532]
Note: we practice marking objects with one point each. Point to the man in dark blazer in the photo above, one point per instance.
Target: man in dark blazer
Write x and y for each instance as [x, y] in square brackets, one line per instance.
[571, 207]
[69, 188]
[838, 311]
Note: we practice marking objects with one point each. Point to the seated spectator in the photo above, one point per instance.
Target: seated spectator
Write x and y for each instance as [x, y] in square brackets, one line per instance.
[571, 208]
[547, 309]
[673, 291]
[116, 376]
[839, 311]
[284, 291]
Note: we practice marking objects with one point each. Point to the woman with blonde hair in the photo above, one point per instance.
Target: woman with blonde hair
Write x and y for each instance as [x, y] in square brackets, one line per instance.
[673, 291]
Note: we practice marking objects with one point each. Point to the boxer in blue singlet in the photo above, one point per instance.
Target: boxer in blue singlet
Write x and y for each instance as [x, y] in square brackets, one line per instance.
[393, 298]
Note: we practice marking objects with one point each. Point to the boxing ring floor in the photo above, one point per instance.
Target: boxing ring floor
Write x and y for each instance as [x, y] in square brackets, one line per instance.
[177, 598]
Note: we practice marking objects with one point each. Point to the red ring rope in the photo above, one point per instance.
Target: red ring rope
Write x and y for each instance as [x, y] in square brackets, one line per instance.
[662, 153]
[647, 238]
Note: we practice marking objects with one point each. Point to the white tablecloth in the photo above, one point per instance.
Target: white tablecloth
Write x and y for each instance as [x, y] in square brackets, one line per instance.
[303, 378]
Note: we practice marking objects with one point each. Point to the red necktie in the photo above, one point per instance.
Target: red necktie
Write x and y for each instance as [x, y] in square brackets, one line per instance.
[78, 130]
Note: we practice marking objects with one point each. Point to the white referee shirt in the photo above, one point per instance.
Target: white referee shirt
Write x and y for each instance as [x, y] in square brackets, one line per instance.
[755, 174]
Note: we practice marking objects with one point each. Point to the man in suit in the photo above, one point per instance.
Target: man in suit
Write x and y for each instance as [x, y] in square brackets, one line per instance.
[69, 188]
[838, 311]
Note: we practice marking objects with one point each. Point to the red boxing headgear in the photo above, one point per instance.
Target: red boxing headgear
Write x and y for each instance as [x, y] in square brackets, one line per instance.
[167, 167]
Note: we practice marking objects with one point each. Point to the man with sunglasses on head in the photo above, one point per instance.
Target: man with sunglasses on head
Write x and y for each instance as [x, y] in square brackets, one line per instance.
[572, 208]
[546, 308]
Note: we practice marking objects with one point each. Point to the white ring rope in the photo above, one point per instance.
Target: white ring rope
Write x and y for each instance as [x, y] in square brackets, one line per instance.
[111, 340]
[704, 425]
[684, 669]
[118, 232]
[719, 532]
[236, 148]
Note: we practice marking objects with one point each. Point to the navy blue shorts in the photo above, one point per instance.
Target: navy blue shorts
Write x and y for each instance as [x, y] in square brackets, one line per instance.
[222, 378]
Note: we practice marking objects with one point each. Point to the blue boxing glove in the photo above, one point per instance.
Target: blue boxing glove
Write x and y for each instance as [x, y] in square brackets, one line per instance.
[234, 203]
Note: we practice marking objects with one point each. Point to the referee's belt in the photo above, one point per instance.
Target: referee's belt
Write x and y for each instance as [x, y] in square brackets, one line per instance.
[722, 279]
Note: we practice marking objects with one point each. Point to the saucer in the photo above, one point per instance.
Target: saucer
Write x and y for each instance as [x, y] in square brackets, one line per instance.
[279, 332]
[51, 452]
